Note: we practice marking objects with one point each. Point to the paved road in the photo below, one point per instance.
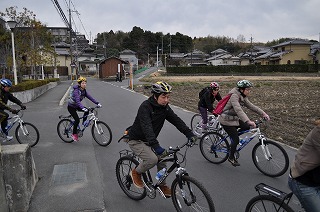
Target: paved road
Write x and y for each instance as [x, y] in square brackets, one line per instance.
[97, 190]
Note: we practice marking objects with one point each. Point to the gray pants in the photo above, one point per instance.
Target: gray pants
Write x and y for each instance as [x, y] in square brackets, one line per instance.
[148, 157]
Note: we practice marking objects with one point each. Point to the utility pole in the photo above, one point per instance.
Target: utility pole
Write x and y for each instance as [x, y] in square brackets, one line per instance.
[70, 40]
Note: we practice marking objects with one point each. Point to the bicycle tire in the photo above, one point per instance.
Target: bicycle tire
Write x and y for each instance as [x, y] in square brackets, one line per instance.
[212, 149]
[195, 125]
[198, 198]
[103, 138]
[123, 168]
[29, 135]
[64, 129]
[267, 203]
[277, 165]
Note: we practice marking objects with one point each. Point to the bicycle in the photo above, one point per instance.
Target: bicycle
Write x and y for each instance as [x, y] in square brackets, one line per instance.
[268, 156]
[186, 191]
[25, 133]
[213, 125]
[269, 199]
[100, 131]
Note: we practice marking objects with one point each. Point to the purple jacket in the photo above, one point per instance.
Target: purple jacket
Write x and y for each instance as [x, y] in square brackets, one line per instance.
[77, 95]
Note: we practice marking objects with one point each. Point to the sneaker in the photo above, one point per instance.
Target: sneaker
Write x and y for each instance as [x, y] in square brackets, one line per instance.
[75, 137]
[234, 162]
[136, 178]
[165, 190]
[9, 137]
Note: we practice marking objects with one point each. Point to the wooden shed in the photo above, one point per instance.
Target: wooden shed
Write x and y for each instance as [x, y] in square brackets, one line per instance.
[110, 67]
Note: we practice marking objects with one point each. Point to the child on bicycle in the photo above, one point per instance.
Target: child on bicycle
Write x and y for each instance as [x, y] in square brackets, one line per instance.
[77, 94]
[205, 103]
[147, 125]
[304, 177]
[233, 116]
[5, 95]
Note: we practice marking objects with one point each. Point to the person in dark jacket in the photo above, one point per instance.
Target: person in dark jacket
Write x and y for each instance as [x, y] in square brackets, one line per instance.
[206, 101]
[146, 127]
[5, 96]
[77, 94]
[304, 176]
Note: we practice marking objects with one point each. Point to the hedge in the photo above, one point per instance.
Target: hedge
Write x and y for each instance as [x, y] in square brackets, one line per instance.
[30, 84]
[249, 69]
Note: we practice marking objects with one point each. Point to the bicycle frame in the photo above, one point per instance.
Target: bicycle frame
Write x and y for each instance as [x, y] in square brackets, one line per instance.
[90, 117]
[16, 118]
[255, 132]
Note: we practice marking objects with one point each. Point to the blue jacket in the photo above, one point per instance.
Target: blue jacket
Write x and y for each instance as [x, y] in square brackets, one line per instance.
[77, 95]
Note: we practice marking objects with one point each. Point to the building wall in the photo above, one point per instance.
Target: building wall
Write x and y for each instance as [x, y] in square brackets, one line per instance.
[110, 68]
[299, 52]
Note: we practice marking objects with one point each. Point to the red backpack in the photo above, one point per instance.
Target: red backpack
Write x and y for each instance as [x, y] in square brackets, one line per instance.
[221, 104]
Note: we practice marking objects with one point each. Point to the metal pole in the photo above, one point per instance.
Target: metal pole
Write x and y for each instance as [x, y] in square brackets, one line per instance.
[14, 60]
[157, 58]
[131, 77]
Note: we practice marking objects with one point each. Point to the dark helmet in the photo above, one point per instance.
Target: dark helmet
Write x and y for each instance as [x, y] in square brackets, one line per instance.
[161, 87]
[214, 85]
[6, 82]
[244, 84]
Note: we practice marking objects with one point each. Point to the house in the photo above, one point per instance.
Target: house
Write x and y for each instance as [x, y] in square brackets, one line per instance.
[196, 58]
[222, 57]
[289, 52]
[110, 67]
[130, 57]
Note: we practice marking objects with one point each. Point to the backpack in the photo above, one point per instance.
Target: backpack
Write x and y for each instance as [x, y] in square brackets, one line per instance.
[203, 91]
[221, 104]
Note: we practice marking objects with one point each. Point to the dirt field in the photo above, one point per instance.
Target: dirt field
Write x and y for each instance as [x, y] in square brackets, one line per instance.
[292, 102]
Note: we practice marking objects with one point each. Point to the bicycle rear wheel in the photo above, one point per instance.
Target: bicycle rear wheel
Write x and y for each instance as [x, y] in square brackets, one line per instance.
[191, 196]
[101, 133]
[214, 148]
[277, 161]
[123, 168]
[64, 129]
[196, 122]
[267, 203]
[27, 133]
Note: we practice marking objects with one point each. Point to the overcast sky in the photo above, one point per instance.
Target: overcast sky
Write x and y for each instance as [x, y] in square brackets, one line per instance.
[263, 20]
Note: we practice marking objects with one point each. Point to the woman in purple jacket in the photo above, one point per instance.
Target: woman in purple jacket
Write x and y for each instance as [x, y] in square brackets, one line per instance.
[77, 94]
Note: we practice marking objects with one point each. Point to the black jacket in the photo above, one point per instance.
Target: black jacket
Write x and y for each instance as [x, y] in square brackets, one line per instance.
[149, 122]
[4, 97]
[207, 100]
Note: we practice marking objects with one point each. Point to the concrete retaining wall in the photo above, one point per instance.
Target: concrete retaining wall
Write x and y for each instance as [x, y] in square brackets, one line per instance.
[29, 95]
[19, 176]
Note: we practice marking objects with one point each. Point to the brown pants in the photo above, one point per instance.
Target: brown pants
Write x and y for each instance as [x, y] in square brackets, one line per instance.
[145, 153]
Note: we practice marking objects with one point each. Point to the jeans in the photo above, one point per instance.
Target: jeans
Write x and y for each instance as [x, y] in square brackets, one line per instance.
[204, 115]
[309, 197]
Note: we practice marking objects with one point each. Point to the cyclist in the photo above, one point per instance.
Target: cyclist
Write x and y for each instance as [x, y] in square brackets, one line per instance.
[146, 127]
[5, 95]
[77, 94]
[233, 116]
[304, 177]
[205, 103]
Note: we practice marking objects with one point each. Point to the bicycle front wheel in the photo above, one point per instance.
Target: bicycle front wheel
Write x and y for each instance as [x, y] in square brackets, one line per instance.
[267, 203]
[101, 133]
[272, 160]
[191, 196]
[27, 133]
[64, 129]
[123, 168]
[214, 148]
[196, 122]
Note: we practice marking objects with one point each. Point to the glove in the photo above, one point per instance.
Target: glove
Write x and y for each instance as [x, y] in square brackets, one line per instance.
[99, 105]
[23, 107]
[159, 150]
[193, 139]
[14, 111]
[84, 109]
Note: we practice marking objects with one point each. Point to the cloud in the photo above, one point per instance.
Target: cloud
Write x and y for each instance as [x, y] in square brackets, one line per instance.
[263, 20]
